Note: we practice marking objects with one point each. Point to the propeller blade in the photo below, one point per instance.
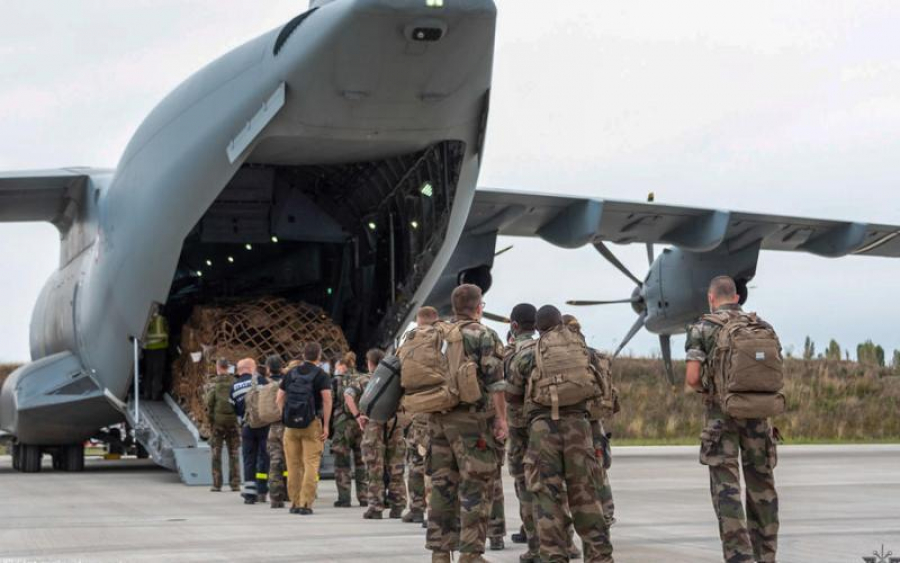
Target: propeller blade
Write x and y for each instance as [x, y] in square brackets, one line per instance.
[650, 256]
[665, 344]
[503, 250]
[495, 318]
[637, 326]
[580, 303]
[611, 258]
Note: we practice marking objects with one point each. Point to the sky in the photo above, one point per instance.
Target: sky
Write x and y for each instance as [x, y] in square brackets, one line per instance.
[785, 107]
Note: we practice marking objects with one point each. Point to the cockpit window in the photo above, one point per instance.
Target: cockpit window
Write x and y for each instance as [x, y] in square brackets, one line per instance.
[289, 28]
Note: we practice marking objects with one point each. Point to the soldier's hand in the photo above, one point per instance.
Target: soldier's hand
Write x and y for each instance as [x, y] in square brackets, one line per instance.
[362, 420]
[325, 433]
[501, 429]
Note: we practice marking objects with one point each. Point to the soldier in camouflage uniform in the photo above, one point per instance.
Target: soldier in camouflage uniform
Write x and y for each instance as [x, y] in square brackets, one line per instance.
[463, 456]
[522, 327]
[383, 450]
[275, 445]
[561, 462]
[346, 445]
[728, 444]
[601, 411]
[224, 429]
[496, 530]
[416, 450]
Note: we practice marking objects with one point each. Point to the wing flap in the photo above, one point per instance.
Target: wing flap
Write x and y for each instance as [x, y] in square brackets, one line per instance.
[41, 195]
[571, 222]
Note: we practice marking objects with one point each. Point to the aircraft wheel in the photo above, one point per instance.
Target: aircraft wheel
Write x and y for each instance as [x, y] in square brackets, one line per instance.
[30, 458]
[16, 457]
[72, 457]
[141, 451]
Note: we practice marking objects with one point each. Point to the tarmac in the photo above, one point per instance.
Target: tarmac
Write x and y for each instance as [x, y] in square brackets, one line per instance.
[838, 504]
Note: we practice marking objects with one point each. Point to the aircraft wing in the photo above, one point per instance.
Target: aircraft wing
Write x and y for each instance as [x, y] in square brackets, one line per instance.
[42, 195]
[571, 222]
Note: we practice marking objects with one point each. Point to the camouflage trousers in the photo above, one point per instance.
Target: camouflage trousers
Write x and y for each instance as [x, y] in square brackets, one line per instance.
[601, 447]
[497, 513]
[561, 462]
[518, 444]
[383, 450]
[346, 447]
[277, 466]
[727, 444]
[230, 437]
[416, 451]
[462, 463]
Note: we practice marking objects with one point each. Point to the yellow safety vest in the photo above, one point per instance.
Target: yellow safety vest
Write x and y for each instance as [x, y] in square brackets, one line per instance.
[157, 334]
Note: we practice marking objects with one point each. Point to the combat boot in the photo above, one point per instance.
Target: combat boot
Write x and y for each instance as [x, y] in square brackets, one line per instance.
[519, 537]
[441, 557]
[372, 514]
[262, 498]
[497, 544]
[413, 517]
[396, 512]
[472, 558]
[216, 489]
[277, 504]
[235, 488]
[529, 558]
[342, 504]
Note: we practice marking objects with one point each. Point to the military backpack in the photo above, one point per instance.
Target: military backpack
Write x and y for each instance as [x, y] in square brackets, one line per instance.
[747, 367]
[435, 372]
[262, 407]
[564, 373]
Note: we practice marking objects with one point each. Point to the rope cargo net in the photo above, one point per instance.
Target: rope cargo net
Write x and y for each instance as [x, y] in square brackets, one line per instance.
[252, 329]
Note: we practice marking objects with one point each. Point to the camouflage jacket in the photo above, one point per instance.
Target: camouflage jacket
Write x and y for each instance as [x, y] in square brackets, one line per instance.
[484, 347]
[340, 384]
[515, 380]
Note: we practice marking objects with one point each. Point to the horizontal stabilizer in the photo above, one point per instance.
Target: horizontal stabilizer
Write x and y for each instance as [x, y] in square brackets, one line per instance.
[54, 196]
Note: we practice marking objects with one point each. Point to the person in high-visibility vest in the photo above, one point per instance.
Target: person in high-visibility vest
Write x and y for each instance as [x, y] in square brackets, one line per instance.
[156, 347]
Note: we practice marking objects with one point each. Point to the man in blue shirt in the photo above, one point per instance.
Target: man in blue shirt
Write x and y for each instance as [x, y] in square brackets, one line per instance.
[253, 440]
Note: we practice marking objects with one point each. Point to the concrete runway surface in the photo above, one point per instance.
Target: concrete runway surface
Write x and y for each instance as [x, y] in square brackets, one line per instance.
[838, 504]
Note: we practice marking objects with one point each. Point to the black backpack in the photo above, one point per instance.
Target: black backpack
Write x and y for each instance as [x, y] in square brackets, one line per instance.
[300, 403]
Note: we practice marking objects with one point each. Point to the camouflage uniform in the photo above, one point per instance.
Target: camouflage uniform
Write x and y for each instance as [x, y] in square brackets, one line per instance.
[416, 449]
[277, 468]
[727, 444]
[383, 450]
[599, 413]
[561, 462]
[497, 515]
[518, 438]
[346, 445]
[231, 437]
[462, 460]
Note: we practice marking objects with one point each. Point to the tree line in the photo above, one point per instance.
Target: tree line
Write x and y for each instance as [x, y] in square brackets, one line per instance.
[867, 353]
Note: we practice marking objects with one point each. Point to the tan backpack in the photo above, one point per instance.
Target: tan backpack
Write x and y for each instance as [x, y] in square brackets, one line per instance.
[606, 403]
[261, 405]
[564, 374]
[435, 373]
[747, 369]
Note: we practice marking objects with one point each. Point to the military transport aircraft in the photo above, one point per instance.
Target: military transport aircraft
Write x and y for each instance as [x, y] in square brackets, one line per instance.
[344, 149]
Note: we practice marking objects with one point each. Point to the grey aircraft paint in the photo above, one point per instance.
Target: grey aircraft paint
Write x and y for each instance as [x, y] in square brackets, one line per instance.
[351, 138]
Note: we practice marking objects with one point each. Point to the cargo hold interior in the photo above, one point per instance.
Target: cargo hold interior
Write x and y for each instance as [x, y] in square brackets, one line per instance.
[355, 239]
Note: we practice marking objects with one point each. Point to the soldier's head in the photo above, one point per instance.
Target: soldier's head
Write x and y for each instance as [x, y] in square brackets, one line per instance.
[427, 316]
[571, 323]
[246, 366]
[722, 291]
[466, 301]
[345, 364]
[548, 317]
[312, 352]
[273, 364]
[373, 358]
[522, 319]
[222, 365]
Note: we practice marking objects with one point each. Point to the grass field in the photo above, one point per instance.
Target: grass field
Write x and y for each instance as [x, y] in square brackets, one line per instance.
[827, 401]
